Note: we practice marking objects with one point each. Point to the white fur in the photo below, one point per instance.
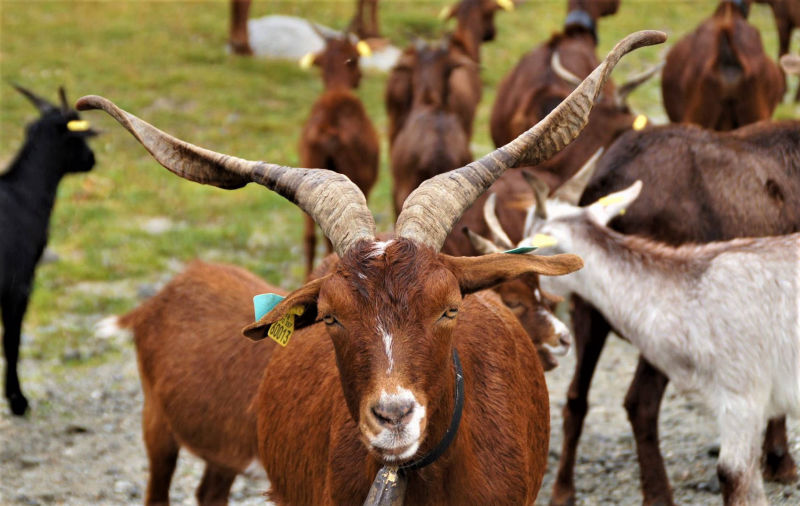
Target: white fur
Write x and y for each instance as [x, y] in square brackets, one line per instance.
[405, 437]
[724, 323]
[108, 328]
[379, 248]
[387, 346]
[561, 332]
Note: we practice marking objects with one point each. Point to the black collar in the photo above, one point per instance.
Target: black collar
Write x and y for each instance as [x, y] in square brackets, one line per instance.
[437, 452]
[743, 7]
[583, 19]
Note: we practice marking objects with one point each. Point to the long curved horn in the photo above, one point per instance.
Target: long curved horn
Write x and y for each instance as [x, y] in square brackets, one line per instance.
[331, 199]
[540, 192]
[621, 93]
[573, 188]
[41, 104]
[791, 63]
[496, 229]
[431, 210]
[562, 72]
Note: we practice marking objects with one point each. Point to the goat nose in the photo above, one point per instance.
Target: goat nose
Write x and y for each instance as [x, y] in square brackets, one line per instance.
[393, 414]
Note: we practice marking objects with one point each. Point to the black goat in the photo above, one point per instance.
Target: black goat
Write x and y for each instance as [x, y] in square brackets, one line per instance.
[55, 145]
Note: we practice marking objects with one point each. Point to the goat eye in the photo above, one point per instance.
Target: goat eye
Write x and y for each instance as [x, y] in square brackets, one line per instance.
[349, 61]
[451, 313]
[512, 304]
[329, 319]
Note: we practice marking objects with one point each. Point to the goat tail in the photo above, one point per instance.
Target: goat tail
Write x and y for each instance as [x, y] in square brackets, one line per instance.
[113, 327]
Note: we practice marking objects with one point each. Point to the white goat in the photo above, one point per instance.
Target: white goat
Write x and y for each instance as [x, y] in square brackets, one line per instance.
[720, 319]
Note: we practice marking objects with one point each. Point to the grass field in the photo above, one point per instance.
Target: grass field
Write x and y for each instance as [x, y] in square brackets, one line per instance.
[167, 63]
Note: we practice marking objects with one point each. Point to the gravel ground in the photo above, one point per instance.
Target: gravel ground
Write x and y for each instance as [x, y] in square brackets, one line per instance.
[82, 443]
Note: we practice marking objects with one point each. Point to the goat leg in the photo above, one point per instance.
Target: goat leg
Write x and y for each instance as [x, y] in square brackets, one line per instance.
[778, 463]
[642, 402]
[591, 331]
[13, 309]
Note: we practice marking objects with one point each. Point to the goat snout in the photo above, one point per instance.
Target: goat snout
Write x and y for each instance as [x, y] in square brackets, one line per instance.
[393, 413]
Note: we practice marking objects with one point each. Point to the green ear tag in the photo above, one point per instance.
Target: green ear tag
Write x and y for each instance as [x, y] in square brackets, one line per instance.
[521, 250]
[282, 330]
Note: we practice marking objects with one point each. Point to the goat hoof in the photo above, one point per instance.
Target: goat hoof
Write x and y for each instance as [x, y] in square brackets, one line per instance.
[567, 499]
[780, 468]
[18, 404]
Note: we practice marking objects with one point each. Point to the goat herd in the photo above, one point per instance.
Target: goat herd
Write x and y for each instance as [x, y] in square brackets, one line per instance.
[417, 370]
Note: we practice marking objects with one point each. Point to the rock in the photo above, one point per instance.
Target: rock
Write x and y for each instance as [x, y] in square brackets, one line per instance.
[128, 489]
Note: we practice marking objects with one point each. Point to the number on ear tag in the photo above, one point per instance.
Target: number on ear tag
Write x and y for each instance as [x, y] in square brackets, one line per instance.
[282, 330]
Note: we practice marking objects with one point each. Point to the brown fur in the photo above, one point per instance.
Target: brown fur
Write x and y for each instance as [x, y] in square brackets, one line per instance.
[532, 89]
[311, 442]
[719, 77]
[365, 21]
[474, 25]
[199, 375]
[718, 186]
[787, 19]
[519, 294]
[338, 134]
[432, 139]
[239, 38]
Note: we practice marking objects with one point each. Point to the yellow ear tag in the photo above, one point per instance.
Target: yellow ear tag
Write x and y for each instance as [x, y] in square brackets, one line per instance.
[611, 199]
[445, 12]
[306, 61]
[363, 48]
[543, 241]
[640, 122]
[78, 125]
[282, 330]
[507, 5]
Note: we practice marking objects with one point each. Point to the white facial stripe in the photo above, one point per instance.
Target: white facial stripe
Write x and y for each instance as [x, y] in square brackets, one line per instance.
[387, 346]
[405, 437]
[380, 248]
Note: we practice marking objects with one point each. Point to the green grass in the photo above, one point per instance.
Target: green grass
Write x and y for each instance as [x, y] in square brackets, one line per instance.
[166, 62]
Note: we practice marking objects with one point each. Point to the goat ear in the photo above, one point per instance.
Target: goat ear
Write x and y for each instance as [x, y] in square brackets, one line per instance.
[480, 273]
[305, 297]
[611, 205]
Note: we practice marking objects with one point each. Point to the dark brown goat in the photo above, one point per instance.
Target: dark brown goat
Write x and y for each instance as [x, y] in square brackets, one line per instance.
[718, 76]
[378, 385]
[474, 25]
[199, 376]
[719, 186]
[338, 135]
[432, 139]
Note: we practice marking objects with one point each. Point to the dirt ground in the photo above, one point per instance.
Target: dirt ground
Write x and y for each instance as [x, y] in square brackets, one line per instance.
[81, 444]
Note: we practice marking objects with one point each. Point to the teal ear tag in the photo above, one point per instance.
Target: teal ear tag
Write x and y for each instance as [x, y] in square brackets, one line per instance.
[264, 303]
[521, 250]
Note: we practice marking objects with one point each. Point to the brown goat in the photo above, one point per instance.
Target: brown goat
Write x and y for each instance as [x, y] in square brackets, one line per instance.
[474, 25]
[432, 139]
[398, 322]
[535, 86]
[199, 376]
[365, 21]
[718, 76]
[719, 186]
[338, 135]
